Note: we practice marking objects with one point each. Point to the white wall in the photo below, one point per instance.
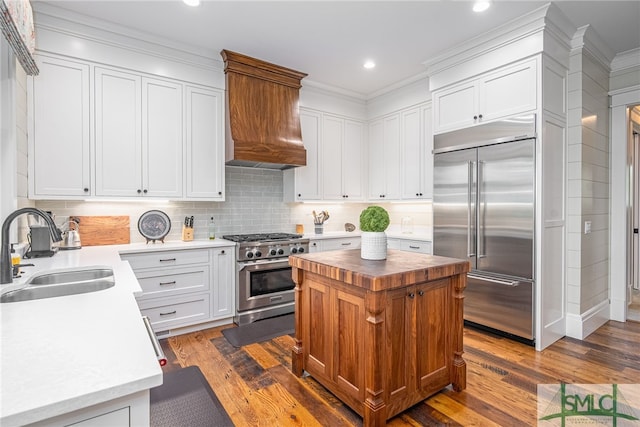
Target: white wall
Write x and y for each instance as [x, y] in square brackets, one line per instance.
[588, 190]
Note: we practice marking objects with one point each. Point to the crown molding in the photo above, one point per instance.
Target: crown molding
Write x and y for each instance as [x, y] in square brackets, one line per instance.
[624, 60]
[398, 85]
[545, 29]
[585, 38]
[326, 89]
[503, 35]
[62, 21]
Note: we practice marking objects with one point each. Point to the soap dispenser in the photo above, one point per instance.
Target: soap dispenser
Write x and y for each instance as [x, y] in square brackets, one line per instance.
[212, 229]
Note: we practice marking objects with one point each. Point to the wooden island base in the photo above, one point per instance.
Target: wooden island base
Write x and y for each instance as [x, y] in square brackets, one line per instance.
[380, 335]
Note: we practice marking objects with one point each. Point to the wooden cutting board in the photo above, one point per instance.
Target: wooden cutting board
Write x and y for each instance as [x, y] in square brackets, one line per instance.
[103, 230]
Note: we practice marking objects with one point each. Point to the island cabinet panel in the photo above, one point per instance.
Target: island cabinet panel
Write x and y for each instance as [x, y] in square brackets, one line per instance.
[318, 337]
[348, 323]
[380, 335]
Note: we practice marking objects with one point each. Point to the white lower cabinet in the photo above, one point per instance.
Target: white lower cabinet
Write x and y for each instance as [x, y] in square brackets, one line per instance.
[131, 410]
[420, 246]
[183, 288]
[333, 244]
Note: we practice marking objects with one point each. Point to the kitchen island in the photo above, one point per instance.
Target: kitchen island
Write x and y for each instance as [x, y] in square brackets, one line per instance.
[380, 335]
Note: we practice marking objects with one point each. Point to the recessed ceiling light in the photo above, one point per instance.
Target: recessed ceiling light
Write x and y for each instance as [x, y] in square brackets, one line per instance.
[481, 5]
[192, 2]
[369, 64]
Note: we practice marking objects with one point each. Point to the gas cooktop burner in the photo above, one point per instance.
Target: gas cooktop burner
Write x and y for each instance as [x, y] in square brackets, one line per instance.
[261, 237]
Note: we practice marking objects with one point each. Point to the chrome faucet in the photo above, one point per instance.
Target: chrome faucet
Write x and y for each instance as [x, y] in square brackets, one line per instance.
[6, 274]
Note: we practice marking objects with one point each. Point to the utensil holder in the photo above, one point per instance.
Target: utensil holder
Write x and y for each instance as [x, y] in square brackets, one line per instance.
[187, 234]
[318, 228]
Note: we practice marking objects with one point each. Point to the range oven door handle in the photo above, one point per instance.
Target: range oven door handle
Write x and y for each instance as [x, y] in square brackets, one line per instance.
[270, 263]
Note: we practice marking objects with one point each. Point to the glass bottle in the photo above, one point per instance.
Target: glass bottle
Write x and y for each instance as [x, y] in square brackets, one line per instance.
[212, 229]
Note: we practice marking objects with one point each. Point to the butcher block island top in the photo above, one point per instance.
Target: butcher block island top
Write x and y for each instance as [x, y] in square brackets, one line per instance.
[380, 335]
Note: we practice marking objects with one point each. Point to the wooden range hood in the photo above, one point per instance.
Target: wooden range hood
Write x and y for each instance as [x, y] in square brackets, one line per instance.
[262, 116]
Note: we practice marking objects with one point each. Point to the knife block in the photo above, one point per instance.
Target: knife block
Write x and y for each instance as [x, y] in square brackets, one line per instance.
[187, 234]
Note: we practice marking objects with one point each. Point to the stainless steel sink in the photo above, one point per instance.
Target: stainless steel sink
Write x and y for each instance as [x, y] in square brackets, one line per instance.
[70, 276]
[62, 283]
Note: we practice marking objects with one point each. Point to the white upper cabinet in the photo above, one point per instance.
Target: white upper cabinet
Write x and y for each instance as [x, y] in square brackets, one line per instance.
[118, 133]
[59, 135]
[126, 133]
[303, 183]
[417, 159]
[342, 158]
[162, 137]
[506, 92]
[139, 136]
[384, 158]
[204, 150]
[400, 157]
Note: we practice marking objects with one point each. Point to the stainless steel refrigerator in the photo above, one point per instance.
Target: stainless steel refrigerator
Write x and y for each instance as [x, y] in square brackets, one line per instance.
[483, 211]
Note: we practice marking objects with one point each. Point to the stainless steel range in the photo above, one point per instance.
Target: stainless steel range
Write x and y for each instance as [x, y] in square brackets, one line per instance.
[265, 286]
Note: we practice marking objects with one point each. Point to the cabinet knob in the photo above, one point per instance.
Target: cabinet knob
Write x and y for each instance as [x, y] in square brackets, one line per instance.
[421, 194]
[219, 193]
[139, 191]
[421, 292]
[222, 252]
[480, 116]
[85, 189]
[299, 195]
[144, 191]
[475, 117]
[417, 194]
[412, 295]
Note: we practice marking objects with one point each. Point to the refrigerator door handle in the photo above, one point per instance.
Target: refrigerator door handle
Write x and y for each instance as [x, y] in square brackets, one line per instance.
[471, 212]
[494, 280]
[482, 206]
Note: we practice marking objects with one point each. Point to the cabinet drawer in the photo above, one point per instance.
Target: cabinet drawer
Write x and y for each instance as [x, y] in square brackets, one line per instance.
[167, 313]
[420, 246]
[346, 243]
[174, 281]
[166, 258]
[415, 246]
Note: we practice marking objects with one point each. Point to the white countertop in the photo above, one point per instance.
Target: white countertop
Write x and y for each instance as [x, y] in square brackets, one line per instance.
[66, 353]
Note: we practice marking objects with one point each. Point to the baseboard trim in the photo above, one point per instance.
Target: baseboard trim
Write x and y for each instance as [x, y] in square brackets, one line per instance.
[580, 326]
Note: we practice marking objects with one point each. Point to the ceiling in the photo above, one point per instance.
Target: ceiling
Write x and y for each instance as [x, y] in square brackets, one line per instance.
[330, 40]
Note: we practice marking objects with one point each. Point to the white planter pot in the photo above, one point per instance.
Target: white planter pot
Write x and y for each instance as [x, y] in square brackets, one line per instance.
[373, 245]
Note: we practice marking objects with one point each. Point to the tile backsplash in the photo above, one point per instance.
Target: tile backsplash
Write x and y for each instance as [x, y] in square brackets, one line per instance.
[253, 205]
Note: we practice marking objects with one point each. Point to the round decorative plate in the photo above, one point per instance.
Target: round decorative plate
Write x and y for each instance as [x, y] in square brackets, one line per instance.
[154, 225]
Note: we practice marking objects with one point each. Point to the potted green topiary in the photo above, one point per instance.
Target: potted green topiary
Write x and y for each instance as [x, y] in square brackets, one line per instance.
[374, 220]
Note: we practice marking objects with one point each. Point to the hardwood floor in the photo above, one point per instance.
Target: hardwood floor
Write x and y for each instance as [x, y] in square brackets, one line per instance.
[256, 386]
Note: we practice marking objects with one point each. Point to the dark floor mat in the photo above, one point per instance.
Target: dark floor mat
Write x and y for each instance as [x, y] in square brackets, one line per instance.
[185, 400]
[262, 330]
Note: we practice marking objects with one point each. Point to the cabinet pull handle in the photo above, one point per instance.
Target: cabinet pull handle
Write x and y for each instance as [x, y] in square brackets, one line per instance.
[168, 283]
[167, 259]
[421, 293]
[346, 243]
[414, 247]
[412, 295]
[166, 314]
